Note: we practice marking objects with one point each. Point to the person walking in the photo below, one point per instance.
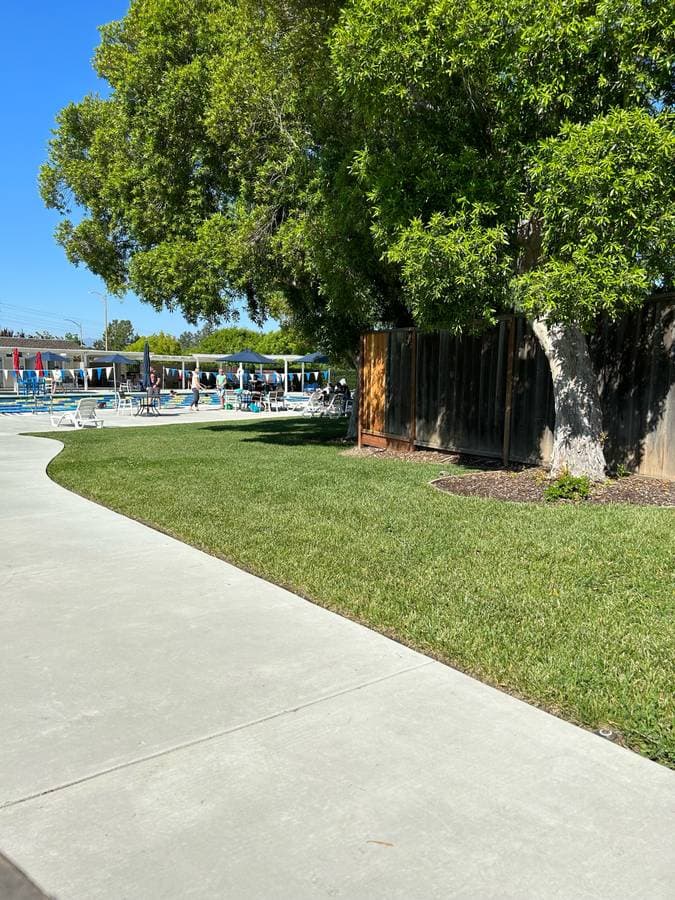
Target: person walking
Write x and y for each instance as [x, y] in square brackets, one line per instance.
[221, 381]
[195, 384]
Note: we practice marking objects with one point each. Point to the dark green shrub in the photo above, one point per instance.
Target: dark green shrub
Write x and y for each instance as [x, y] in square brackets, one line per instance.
[568, 487]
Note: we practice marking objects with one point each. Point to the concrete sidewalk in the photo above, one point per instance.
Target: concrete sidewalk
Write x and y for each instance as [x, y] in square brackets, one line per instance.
[174, 728]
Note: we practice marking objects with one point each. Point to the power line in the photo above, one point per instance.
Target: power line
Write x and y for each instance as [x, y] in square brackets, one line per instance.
[42, 315]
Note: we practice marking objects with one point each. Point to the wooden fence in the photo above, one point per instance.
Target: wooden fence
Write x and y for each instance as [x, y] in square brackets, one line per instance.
[491, 395]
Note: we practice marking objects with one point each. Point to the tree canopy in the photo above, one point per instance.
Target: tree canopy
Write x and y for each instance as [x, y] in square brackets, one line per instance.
[120, 333]
[158, 343]
[377, 161]
[220, 167]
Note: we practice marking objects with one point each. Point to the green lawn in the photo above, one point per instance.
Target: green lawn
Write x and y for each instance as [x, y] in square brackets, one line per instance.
[569, 607]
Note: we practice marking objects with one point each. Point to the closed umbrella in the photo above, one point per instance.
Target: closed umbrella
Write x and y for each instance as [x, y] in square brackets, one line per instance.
[114, 359]
[15, 359]
[38, 363]
[145, 368]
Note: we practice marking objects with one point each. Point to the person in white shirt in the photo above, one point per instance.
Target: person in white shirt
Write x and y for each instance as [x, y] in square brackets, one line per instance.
[195, 384]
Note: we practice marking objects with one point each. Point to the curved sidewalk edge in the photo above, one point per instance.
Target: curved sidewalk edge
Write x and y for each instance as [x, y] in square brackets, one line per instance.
[177, 727]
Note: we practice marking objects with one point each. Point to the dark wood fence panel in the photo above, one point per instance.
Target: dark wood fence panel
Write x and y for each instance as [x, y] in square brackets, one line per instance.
[460, 395]
[492, 395]
[533, 411]
[635, 360]
[400, 375]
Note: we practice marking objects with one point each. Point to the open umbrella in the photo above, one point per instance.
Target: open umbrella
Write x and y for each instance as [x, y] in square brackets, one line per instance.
[114, 359]
[317, 357]
[244, 356]
[48, 357]
[145, 368]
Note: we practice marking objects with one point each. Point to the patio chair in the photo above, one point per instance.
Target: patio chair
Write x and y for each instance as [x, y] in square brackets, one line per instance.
[84, 414]
[124, 403]
[274, 401]
[314, 406]
[336, 406]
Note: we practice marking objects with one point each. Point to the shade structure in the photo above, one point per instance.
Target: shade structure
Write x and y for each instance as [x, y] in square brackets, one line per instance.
[114, 359]
[317, 357]
[48, 357]
[245, 356]
[145, 368]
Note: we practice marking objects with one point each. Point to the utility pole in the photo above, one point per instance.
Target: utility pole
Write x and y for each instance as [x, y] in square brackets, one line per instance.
[104, 298]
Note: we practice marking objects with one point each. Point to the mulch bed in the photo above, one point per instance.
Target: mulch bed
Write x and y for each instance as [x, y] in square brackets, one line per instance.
[523, 484]
[527, 486]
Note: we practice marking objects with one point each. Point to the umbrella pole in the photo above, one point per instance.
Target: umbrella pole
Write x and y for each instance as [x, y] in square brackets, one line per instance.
[302, 380]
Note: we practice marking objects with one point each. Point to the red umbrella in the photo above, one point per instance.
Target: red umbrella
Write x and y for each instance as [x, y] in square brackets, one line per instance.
[15, 359]
[38, 363]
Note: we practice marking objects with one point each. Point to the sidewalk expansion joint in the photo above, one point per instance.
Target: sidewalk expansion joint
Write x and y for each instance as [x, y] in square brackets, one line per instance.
[186, 745]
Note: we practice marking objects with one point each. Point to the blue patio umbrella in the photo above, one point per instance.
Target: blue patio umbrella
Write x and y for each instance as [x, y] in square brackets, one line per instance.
[114, 359]
[48, 356]
[145, 368]
[244, 356]
[317, 357]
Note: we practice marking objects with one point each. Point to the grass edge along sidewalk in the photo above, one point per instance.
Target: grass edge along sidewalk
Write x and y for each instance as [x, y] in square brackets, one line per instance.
[570, 608]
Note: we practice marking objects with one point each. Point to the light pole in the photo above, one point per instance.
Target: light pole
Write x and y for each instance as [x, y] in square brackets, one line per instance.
[104, 298]
[79, 325]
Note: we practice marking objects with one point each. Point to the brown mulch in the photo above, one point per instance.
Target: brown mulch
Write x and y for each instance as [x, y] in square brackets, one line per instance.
[523, 484]
[439, 457]
[527, 486]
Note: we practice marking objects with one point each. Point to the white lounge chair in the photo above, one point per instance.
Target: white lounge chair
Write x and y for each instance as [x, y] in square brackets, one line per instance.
[315, 405]
[83, 414]
[336, 406]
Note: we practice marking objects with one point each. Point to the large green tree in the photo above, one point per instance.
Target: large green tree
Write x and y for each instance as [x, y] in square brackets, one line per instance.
[219, 168]
[520, 155]
[119, 334]
[383, 162]
[161, 342]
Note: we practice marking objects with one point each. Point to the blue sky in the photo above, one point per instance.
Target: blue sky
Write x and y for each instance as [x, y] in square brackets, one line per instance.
[45, 62]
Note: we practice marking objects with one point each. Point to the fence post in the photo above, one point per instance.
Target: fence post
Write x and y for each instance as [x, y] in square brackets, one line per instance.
[508, 394]
[413, 389]
[359, 387]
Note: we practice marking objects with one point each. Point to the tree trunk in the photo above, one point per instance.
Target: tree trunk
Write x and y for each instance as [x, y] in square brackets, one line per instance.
[577, 441]
[353, 426]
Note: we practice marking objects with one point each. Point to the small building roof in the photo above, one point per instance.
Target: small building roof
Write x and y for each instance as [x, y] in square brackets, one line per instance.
[31, 343]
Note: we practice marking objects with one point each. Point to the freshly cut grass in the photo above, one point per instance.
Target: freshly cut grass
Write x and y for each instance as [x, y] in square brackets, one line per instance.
[570, 607]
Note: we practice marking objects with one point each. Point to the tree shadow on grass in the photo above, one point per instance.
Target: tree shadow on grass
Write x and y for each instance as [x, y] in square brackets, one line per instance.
[288, 432]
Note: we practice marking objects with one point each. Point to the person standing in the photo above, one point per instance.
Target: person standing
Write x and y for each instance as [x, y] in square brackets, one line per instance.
[195, 384]
[154, 386]
[221, 381]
